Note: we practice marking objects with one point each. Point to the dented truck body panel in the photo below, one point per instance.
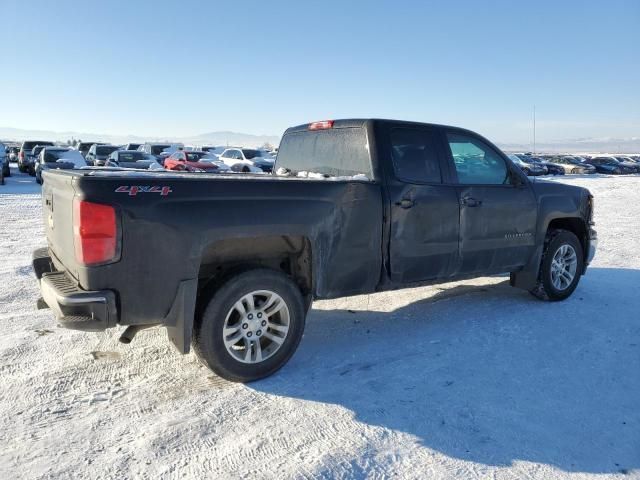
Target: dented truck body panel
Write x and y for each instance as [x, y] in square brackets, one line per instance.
[179, 232]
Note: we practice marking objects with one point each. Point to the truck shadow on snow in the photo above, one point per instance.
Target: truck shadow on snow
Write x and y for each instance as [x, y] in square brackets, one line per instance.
[488, 373]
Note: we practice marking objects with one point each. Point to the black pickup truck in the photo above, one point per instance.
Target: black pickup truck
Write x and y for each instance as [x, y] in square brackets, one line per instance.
[233, 263]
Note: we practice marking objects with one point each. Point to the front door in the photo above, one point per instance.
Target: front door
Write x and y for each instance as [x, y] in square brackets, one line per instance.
[498, 209]
[424, 227]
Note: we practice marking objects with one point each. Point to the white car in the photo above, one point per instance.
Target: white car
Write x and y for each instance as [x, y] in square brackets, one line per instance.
[247, 160]
[53, 158]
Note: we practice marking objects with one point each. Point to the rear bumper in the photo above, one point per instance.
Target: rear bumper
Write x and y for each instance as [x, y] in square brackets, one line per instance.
[73, 307]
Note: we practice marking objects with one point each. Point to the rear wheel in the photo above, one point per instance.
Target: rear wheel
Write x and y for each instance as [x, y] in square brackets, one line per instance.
[575, 171]
[251, 326]
[561, 267]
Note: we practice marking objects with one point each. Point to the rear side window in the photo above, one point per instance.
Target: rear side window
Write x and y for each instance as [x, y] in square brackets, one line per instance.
[414, 156]
[476, 162]
[334, 152]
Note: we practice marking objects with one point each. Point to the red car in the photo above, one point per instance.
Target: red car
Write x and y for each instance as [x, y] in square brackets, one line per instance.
[190, 161]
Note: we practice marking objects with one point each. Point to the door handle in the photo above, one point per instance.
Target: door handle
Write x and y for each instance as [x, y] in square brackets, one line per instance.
[470, 202]
[405, 203]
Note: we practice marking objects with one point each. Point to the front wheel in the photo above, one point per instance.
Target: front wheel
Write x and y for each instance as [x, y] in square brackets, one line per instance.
[251, 326]
[561, 267]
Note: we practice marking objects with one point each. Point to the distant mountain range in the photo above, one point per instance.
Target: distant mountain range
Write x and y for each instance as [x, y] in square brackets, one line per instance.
[578, 145]
[211, 138]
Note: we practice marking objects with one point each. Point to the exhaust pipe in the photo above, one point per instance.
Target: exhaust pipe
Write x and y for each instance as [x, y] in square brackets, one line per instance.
[131, 331]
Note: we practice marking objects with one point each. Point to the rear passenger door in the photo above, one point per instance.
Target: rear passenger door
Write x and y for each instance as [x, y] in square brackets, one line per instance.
[424, 228]
[498, 209]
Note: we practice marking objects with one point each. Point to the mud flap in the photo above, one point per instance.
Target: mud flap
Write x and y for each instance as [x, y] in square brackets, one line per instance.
[527, 278]
[179, 320]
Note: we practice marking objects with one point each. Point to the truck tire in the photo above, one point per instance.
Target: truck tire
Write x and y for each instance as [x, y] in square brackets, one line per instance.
[251, 325]
[561, 267]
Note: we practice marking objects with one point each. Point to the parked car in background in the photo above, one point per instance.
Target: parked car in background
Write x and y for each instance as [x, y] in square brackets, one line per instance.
[83, 147]
[573, 165]
[25, 160]
[98, 154]
[217, 151]
[14, 153]
[629, 161]
[57, 158]
[241, 159]
[4, 160]
[131, 146]
[545, 161]
[130, 159]
[194, 161]
[530, 169]
[157, 149]
[628, 167]
[607, 165]
[35, 154]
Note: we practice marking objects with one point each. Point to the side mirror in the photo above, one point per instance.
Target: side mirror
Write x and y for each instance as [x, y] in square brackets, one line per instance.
[516, 179]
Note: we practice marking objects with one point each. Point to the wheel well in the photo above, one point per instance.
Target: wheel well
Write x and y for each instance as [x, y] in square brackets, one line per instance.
[574, 225]
[288, 254]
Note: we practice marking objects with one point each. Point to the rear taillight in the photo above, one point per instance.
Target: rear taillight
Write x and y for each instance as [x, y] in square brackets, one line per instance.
[323, 125]
[21, 155]
[95, 232]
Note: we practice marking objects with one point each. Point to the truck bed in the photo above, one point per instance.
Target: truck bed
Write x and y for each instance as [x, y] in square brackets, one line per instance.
[172, 224]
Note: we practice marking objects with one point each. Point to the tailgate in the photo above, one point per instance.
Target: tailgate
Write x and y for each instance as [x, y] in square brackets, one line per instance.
[57, 208]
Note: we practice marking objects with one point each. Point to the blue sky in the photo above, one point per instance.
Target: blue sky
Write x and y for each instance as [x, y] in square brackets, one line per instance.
[184, 67]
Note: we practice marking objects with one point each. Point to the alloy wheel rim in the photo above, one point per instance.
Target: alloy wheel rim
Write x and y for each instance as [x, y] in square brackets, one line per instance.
[563, 267]
[256, 326]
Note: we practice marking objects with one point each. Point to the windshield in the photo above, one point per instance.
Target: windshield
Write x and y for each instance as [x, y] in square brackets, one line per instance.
[29, 145]
[158, 149]
[70, 156]
[53, 155]
[105, 149]
[331, 152]
[195, 156]
[249, 153]
[131, 156]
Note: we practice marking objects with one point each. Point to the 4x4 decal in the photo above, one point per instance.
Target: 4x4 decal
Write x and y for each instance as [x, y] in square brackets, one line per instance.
[133, 190]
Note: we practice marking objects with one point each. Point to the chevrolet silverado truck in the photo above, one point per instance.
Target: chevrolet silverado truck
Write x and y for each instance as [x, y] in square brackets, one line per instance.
[230, 264]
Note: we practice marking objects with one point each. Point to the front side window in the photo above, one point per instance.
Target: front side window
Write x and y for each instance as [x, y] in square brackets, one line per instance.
[476, 163]
[414, 156]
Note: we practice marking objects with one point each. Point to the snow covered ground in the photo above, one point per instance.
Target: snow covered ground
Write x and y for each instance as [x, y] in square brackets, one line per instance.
[471, 380]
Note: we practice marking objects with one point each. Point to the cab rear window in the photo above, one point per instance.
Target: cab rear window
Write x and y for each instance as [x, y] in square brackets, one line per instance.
[334, 152]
